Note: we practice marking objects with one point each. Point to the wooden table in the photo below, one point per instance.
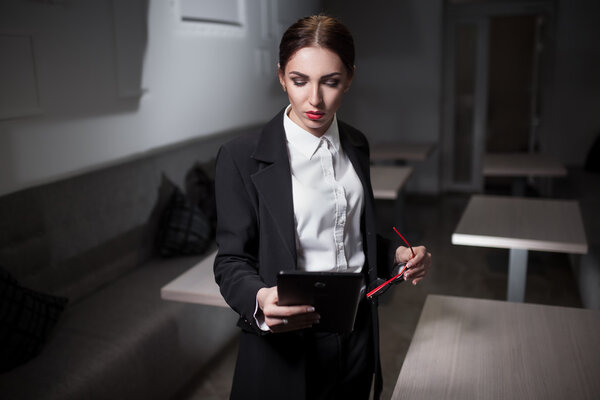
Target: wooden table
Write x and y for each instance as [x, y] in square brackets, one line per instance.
[388, 181]
[196, 285]
[521, 224]
[401, 151]
[482, 349]
[522, 166]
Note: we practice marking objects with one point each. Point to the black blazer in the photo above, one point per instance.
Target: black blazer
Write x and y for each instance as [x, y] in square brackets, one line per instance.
[256, 240]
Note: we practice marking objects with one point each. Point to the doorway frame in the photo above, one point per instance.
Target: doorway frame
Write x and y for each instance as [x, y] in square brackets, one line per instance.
[479, 14]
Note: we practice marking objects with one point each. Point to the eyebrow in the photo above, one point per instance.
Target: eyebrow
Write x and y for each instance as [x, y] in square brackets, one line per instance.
[301, 75]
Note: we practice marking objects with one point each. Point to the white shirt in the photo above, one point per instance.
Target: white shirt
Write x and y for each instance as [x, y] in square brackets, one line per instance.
[328, 202]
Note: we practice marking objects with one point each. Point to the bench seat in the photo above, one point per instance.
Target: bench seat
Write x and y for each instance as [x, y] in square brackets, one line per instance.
[125, 342]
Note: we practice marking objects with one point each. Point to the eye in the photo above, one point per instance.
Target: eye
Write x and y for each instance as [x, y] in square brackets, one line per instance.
[332, 83]
[299, 82]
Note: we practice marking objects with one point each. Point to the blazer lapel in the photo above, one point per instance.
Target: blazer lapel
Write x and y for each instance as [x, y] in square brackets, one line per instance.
[358, 158]
[273, 182]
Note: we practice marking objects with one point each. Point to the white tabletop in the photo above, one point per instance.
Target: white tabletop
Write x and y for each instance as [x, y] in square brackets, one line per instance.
[483, 349]
[401, 151]
[387, 181]
[522, 164]
[522, 223]
[196, 285]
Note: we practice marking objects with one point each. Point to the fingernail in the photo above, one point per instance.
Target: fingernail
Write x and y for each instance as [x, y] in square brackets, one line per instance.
[310, 309]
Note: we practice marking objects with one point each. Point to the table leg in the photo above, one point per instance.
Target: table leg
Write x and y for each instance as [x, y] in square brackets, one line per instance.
[517, 275]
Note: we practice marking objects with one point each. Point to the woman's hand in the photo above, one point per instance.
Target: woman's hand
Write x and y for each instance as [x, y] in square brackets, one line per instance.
[417, 266]
[284, 318]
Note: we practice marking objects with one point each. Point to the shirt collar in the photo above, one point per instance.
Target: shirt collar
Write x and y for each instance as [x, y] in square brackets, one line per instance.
[304, 141]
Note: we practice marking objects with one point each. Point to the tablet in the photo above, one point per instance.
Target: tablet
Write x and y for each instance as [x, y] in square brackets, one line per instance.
[335, 296]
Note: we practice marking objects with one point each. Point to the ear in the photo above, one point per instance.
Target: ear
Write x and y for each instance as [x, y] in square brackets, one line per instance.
[350, 78]
[281, 77]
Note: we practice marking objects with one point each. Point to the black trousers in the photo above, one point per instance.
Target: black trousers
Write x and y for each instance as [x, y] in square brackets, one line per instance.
[341, 366]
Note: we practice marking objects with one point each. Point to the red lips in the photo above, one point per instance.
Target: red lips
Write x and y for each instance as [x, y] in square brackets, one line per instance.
[314, 115]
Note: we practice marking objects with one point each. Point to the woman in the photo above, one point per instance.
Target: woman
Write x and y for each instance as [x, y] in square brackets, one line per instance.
[297, 195]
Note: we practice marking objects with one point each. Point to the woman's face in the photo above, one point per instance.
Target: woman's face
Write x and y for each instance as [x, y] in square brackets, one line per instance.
[315, 80]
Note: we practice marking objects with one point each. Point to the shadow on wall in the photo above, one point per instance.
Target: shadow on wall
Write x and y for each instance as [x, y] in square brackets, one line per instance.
[381, 28]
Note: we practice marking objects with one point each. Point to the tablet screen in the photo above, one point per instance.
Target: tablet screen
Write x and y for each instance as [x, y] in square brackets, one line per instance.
[335, 296]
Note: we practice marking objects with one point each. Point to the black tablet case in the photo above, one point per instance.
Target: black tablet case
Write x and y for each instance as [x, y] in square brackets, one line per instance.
[335, 296]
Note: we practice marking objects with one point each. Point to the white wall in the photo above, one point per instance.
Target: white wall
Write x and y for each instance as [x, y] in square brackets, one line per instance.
[397, 87]
[196, 81]
[202, 81]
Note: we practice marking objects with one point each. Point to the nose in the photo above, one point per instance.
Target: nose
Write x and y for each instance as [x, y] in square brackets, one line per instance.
[315, 96]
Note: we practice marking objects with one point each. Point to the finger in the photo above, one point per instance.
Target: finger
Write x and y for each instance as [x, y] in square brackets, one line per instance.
[417, 280]
[413, 269]
[294, 320]
[280, 327]
[418, 268]
[292, 323]
[298, 318]
[421, 268]
[287, 311]
[414, 276]
[419, 272]
[310, 318]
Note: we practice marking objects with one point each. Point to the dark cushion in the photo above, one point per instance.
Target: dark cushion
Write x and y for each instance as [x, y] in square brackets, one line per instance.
[26, 319]
[200, 189]
[184, 229]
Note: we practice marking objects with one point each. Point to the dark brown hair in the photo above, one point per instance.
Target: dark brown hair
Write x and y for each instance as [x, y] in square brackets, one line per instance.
[318, 31]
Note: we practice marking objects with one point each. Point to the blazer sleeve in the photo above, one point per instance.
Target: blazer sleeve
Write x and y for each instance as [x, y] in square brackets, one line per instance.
[236, 264]
[385, 256]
